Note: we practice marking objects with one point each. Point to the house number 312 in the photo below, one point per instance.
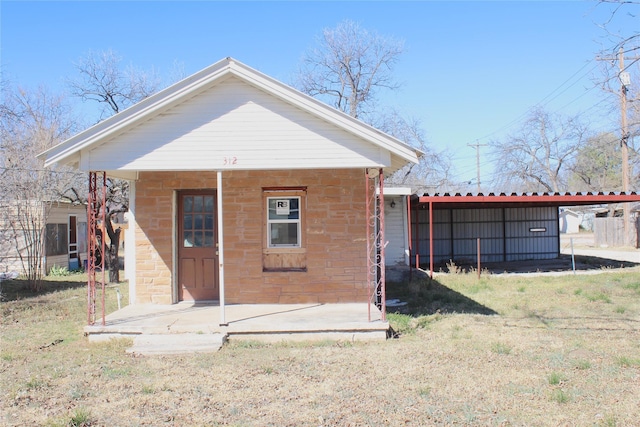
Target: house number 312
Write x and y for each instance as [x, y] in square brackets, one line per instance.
[228, 161]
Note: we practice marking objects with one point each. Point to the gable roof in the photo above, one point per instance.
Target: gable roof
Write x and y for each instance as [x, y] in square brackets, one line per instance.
[397, 154]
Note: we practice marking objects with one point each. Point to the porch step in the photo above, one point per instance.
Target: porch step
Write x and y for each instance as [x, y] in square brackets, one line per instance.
[150, 344]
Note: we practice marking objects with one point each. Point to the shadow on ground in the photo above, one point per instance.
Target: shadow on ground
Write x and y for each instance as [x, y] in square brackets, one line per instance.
[563, 263]
[17, 289]
[428, 296]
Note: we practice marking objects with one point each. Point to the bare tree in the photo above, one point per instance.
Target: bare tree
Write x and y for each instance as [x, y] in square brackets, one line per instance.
[622, 40]
[597, 165]
[30, 122]
[620, 10]
[433, 172]
[103, 79]
[537, 156]
[348, 66]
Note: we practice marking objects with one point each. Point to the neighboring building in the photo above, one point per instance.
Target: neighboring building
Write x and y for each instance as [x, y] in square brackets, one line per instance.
[570, 221]
[65, 238]
[243, 190]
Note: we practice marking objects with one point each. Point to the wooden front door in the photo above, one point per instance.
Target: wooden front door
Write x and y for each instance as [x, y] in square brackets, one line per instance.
[197, 242]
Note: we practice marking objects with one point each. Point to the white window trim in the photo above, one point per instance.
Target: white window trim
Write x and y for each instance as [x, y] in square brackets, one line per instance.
[284, 221]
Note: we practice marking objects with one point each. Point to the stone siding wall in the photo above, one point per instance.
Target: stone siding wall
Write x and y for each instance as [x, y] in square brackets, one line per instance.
[334, 233]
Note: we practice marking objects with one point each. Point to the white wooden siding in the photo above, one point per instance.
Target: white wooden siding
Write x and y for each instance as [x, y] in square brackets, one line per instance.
[395, 231]
[59, 214]
[233, 126]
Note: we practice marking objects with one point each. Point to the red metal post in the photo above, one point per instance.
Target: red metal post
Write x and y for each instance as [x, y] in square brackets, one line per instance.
[91, 249]
[103, 216]
[374, 193]
[95, 210]
[431, 239]
[368, 219]
[478, 243]
[382, 285]
[409, 234]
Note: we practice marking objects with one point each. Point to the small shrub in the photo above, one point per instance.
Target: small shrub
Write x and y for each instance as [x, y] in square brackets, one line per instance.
[478, 287]
[632, 286]
[620, 309]
[583, 364]
[35, 383]
[424, 391]
[560, 396]
[400, 323]
[627, 362]
[453, 268]
[147, 389]
[57, 271]
[248, 344]
[110, 372]
[609, 421]
[500, 348]
[600, 296]
[80, 418]
[521, 289]
[556, 378]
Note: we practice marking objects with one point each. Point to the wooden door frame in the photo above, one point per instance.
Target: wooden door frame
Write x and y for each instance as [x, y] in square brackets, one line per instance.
[175, 291]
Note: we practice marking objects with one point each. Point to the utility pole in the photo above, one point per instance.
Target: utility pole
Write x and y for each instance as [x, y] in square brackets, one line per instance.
[625, 82]
[624, 140]
[477, 145]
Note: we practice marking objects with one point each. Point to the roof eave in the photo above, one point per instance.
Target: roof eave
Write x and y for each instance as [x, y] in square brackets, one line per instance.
[204, 79]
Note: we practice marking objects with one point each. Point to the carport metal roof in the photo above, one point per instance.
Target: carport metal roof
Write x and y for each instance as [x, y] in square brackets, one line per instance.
[501, 200]
[511, 200]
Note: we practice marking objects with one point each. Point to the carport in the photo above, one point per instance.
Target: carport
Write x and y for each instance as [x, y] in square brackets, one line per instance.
[495, 227]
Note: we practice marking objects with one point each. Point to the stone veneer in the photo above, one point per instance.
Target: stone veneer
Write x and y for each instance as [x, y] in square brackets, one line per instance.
[335, 235]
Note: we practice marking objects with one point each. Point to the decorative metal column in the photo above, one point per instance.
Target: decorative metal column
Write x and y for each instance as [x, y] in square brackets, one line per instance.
[374, 193]
[96, 201]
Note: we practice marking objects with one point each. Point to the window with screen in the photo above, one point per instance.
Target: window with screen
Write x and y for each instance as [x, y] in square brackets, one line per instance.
[284, 229]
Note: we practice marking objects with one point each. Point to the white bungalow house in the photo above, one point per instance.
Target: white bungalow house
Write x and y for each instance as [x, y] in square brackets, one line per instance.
[243, 190]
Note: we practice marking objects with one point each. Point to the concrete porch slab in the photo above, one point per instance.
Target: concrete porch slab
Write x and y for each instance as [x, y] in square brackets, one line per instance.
[264, 322]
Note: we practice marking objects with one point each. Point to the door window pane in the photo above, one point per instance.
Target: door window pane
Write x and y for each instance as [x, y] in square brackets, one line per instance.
[187, 222]
[188, 204]
[197, 203]
[198, 221]
[208, 203]
[188, 239]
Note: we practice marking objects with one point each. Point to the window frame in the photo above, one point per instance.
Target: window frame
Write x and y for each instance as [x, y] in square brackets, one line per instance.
[270, 222]
[284, 257]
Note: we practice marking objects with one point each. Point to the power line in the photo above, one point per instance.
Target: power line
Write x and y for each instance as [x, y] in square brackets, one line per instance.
[545, 101]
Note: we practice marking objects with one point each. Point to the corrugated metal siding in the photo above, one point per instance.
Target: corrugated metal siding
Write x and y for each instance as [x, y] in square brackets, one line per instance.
[505, 234]
[523, 244]
[234, 125]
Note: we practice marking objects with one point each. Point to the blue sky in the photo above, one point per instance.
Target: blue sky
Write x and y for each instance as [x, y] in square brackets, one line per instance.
[470, 72]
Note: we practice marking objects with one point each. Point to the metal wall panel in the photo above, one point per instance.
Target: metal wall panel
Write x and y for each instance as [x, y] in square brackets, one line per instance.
[506, 234]
[531, 233]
